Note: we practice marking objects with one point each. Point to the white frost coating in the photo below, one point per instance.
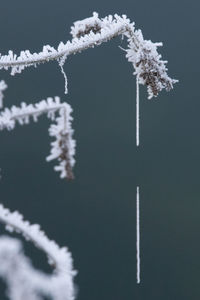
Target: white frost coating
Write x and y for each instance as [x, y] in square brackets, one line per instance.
[148, 65]
[23, 281]
[3, 87]
[63, 148]
[138, 233]
[80, 27]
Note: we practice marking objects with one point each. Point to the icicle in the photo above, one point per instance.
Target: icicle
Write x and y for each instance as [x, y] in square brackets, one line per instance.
[61, 63]
[137, 113]
[138, 233]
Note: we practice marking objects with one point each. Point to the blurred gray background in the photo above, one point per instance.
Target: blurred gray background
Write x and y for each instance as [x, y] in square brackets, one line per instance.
[95, 214]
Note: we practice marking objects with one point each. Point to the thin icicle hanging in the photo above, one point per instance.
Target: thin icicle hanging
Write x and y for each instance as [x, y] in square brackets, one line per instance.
[137, 113]
[138, 233]
[61, 63]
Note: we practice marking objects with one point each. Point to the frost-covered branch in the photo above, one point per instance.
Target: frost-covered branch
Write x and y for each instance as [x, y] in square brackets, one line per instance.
[148, 65]
[24, 282]
[63, 148]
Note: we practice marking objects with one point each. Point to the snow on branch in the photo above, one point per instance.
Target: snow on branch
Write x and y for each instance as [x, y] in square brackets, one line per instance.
[23, 281]
[63, 148]
[148, 64]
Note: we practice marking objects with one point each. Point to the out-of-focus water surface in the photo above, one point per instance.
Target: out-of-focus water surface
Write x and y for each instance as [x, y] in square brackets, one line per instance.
[95, 214]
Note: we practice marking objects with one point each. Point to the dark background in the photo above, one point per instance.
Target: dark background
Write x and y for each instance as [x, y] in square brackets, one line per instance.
[95, 214]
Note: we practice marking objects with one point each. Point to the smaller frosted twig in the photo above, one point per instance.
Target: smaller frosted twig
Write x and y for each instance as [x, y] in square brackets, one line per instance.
[59, 285]
[63, 148]
[138, 233]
